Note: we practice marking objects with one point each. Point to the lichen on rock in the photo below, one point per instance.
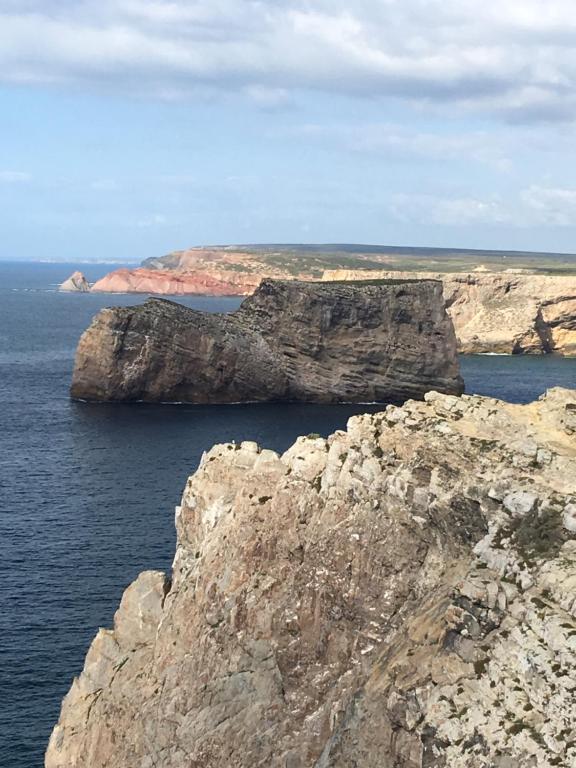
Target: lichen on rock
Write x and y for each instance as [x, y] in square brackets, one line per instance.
[362, 600]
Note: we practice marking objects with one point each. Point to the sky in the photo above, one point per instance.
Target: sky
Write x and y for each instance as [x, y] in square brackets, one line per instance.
[131, 128]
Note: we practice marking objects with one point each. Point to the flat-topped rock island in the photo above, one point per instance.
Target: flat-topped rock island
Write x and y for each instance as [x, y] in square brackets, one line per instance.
[384, 340]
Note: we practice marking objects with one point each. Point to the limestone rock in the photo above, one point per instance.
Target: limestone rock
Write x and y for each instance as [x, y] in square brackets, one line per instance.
[366, 600]
[76, 282]
[500, 312]
[289, 341]
[507, 312]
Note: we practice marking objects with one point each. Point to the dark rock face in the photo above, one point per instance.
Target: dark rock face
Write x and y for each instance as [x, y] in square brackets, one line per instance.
[317, 342]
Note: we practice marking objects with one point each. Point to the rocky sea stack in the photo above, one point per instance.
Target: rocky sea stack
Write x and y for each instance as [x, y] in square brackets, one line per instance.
[290, 340]
[401, 594]
[75, 283]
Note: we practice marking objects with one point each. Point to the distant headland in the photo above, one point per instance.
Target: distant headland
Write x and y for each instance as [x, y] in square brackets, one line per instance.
[502, 302]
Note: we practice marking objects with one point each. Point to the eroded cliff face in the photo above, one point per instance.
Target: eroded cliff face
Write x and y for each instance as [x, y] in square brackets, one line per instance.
[202, 271]
[289, 341]
[400, 594]
[499, 312]
[201, 282]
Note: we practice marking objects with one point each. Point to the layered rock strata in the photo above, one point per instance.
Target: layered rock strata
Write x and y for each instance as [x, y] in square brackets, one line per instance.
[173, 283]
[400, 594]
[204, 271]
[315, 342]
[75, 283]
[503, 313]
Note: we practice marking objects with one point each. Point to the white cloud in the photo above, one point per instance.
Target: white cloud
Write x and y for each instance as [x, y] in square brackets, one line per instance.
[516, 58]
[268, 98]
[156, 220]
[402, 142]
[104, 185]
[14, 177]
[534, 206]
[551, 206]
[451, 212]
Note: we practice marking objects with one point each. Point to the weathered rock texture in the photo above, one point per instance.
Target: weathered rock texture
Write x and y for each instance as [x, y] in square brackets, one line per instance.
[289, 341]
[506, 313]
[76, 282]
[400, 594]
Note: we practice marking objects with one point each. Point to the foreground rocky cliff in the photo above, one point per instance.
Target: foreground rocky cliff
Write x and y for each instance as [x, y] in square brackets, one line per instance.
[316, 342]
[401, 594]
[502, 313]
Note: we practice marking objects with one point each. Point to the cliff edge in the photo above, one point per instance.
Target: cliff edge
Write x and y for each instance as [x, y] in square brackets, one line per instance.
[402, 593]
[317, 342]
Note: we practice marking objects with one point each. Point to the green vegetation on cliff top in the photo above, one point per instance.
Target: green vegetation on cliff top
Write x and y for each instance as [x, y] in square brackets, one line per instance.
[314, 259]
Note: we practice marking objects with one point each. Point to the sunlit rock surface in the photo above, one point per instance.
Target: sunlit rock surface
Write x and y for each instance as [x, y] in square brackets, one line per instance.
[501, 313]
[400, 594]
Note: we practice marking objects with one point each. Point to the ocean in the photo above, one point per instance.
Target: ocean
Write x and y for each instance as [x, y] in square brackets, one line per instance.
[87, 491]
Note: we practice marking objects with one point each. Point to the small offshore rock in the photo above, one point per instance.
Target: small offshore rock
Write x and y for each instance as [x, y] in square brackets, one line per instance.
[75, 283]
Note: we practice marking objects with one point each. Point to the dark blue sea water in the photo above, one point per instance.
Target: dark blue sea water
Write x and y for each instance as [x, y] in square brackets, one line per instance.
[87, 492]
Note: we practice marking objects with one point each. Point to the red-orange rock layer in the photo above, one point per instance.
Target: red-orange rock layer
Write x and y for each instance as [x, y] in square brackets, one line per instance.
[170, 282]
